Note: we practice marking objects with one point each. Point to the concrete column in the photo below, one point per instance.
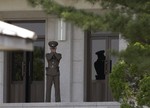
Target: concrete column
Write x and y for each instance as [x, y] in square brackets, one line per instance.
[1, 76]
[78, 65]
[122, 43]
[65, 48]
[1, 72]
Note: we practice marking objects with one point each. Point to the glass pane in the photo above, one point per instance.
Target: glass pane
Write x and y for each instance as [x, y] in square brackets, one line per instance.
[98, 47]
[38, 60]
[17, 60]
[38, 53]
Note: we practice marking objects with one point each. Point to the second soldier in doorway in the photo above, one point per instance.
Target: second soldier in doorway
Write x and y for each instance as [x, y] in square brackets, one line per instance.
[52, 72]
[100, 65]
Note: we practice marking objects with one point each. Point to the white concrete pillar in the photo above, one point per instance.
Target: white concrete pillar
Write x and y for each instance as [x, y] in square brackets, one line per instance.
[1, 73]
[122, 43]
[78, 65]
[1, 76]
[65, 48]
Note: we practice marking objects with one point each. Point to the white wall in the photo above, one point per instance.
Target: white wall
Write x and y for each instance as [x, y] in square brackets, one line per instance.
[79, 4]
[72, 63]
[22, 5]
[77, 83]
[16, 5]
[65, 48]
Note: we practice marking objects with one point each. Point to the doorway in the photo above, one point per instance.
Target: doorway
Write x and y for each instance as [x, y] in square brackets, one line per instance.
[99, 65]
[25, 70]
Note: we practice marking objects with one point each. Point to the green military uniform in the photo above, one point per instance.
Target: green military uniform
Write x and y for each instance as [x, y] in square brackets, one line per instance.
[53, 73]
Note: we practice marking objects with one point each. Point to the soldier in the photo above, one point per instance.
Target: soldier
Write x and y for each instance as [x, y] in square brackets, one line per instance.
[99, 65]
[52, 72]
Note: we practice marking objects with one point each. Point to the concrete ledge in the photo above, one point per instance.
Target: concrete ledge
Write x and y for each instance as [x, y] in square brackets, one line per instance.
[62, 105]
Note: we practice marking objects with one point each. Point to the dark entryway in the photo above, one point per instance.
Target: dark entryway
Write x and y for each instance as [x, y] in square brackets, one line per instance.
[99, 64]
[25, 70]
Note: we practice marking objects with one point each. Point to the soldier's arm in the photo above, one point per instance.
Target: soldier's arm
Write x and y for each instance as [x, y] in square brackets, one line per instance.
[58, 56]
[49, 56]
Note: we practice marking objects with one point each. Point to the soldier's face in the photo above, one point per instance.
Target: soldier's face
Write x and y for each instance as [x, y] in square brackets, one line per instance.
[53, 49]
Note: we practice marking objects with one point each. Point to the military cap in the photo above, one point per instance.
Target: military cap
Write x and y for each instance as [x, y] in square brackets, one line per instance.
[101, 52]
[53, 44]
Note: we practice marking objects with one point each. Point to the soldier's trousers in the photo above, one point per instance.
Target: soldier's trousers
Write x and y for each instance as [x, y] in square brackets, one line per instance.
[50, 81]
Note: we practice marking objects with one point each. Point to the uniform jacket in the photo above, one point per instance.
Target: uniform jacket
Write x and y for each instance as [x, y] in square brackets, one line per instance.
[53, 60]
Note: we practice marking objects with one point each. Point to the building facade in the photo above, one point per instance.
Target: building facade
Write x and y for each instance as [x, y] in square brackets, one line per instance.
[22, 73]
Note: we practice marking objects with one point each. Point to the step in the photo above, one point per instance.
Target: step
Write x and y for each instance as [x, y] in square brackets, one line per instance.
[62, 105]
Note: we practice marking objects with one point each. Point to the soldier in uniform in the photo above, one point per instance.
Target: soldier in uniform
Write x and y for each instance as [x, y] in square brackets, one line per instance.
[52, 72]
[99, 65]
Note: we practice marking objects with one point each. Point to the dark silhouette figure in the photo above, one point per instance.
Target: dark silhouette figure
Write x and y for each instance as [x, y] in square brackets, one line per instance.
[99, 65]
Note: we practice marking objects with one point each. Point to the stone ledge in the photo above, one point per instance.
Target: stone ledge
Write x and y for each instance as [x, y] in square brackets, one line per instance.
[62, 104]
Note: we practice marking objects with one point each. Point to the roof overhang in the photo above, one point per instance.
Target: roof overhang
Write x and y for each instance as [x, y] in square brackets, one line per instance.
[15, 38]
